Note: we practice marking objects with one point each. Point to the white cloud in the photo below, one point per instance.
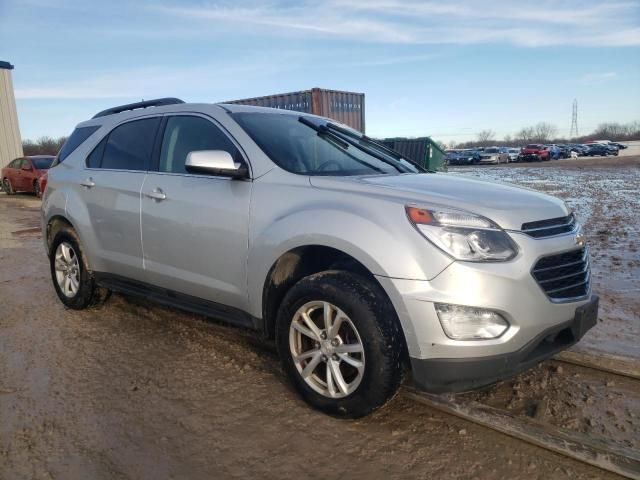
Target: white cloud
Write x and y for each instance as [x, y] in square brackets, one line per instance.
[151, 82]
[564, 22]
[597, 77]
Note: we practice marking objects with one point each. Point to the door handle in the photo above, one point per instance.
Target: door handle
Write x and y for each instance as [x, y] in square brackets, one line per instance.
[156, 194]
[88, 183]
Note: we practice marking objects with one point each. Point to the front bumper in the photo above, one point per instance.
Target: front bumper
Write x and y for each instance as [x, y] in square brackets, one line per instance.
[530, 157]
[439, 375]
[507, 288]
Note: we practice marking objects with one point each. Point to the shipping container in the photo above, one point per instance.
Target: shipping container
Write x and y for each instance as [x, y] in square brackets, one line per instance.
[10, 142]
[344, 107]
[423, 151]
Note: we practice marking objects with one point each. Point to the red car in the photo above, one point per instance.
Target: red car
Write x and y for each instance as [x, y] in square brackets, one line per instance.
[534, 152]
[42, 183]
[23, 174]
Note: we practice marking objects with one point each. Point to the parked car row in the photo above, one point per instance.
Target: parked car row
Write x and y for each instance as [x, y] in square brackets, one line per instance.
[533, 152]
[26, 174]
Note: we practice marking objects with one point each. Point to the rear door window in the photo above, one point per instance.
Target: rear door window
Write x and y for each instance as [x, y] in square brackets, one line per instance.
[129, 146]
[95, 157]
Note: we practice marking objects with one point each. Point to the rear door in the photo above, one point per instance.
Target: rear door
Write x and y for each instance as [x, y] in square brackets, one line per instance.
[17, 176]
[28, 175]
[110, 189]
[195, 226]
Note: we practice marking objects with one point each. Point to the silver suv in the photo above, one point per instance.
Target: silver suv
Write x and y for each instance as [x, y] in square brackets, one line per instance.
[358, 263]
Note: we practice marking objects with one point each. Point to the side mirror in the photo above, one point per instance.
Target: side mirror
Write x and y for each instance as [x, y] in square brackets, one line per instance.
[215, 162]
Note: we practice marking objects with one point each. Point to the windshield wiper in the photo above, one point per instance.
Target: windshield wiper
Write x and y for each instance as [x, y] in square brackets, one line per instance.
[375, 144]
[324, 132]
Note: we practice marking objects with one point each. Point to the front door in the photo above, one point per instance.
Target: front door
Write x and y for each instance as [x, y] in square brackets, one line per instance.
[194, 226]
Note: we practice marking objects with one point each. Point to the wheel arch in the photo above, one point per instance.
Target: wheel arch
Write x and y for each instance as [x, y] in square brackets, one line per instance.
[54, 225]
[305, 260]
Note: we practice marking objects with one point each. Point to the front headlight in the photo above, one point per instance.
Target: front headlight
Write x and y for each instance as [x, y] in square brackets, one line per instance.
[463, 235]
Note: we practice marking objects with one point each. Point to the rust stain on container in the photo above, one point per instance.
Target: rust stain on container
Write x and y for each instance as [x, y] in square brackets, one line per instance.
[345, 107]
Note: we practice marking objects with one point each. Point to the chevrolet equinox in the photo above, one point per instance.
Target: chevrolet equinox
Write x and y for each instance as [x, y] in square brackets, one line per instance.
[359, 264]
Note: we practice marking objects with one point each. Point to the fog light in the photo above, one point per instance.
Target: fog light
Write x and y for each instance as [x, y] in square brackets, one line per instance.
[470, 323]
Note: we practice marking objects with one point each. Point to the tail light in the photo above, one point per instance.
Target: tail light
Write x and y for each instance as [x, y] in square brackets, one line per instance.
[43, 183]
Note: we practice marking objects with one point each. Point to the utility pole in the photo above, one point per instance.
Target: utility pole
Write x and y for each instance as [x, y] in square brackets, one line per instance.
[574, 120]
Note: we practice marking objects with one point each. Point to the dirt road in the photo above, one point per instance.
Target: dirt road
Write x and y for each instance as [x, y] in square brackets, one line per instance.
[133, 390]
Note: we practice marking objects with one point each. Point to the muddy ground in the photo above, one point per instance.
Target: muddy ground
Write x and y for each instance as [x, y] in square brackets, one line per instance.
[133, 390]
[605, 194]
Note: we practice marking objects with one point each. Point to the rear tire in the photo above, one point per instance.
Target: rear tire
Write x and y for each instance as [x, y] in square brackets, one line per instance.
[36, 189]
[8, 188]
[369, 374]
[72, 280]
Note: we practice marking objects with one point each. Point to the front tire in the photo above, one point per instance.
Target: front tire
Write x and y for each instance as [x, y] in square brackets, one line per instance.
[340, 343]
[36, 189]
[72, 280]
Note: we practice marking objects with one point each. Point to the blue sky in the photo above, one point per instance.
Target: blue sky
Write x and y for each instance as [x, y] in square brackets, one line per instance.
[445, 69]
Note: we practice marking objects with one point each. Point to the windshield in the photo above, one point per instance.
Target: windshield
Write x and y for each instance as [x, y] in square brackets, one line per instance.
[302, 145]
[533, 146]
[42, 163]
[490, 150]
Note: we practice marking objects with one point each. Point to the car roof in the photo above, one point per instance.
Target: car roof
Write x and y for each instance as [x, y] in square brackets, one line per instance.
[184, 107]
[234, 108]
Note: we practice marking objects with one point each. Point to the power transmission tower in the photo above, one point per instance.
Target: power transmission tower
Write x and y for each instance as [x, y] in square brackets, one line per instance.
[574, 120]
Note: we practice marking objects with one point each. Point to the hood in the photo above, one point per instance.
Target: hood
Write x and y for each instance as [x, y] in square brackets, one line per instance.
[507, 205]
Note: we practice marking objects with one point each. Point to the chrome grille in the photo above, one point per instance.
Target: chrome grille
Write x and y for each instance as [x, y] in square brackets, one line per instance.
[550, 227]
[564, 276]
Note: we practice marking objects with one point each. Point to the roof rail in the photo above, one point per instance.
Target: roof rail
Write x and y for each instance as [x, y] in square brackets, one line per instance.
[158, 102]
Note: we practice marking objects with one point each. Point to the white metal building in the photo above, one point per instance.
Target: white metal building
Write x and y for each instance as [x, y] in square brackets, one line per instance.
[10, 141]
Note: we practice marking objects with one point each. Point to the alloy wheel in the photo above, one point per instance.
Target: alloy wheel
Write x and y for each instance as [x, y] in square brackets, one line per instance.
[67, 269]
[326, 349]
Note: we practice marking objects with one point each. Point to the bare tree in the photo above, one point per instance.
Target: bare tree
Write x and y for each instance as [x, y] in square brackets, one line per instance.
[485, 137]
[43, 146]
[525, 135]
[544, 132]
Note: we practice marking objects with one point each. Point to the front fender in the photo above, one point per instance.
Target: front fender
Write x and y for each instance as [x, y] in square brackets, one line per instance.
[374, 232]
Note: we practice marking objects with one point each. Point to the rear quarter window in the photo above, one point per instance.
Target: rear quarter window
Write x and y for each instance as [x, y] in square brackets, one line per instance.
[76, 139]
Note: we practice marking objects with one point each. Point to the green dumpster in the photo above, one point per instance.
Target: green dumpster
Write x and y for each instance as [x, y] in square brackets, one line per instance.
[422, 150]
